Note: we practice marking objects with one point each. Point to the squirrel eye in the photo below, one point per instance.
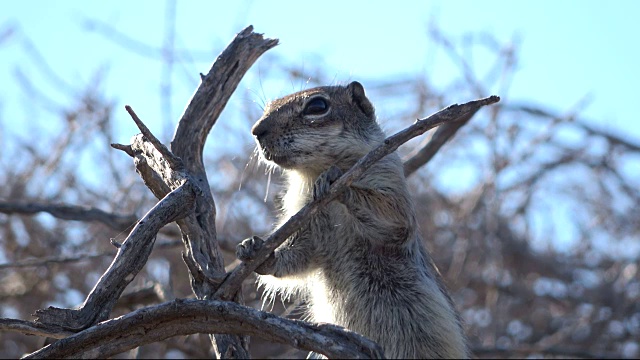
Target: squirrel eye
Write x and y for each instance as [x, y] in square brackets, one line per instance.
[316, 106]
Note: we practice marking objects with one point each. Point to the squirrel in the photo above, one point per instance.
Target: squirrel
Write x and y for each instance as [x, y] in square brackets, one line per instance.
[360, 261]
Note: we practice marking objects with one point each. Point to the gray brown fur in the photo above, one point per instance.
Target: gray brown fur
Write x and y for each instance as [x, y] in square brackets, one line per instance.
[360, 262]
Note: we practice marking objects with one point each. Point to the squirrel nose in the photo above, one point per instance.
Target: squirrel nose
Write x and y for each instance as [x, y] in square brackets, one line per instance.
[260, 129]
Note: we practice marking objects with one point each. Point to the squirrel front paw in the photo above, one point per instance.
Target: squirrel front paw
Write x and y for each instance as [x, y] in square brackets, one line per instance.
[324, 181]
[247, 249]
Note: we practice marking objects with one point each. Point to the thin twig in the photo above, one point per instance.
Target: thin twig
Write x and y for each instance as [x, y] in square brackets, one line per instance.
[126, 148]
[175, 163]
[539, 112]
[441, 136]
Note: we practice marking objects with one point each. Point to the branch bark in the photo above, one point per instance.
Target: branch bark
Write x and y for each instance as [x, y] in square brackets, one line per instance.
[198, 230]
[202, 256]
[202, 251]
[34, 328]
[184, 317]
[131, 257]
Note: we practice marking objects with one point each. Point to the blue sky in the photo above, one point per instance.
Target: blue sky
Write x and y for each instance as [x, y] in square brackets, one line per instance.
[570, 49]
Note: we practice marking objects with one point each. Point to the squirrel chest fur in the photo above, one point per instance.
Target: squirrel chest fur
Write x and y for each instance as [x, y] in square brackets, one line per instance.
[360, 262]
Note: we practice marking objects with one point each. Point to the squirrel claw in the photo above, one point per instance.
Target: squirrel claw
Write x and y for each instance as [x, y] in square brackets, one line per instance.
[324, 181]
[246, 250]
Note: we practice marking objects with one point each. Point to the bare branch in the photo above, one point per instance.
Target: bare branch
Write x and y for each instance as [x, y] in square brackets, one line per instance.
[34, 328]
[214, 92]
[71, 212]
[539, 112]
[202, 255]
[126, 148]
[175, 163]
[450, 114]
[184, 317]
[441, 136]
[76, 258]
[130, 259]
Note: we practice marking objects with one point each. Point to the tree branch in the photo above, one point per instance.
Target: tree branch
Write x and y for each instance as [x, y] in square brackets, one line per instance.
[34, 328]
[175, 163]
[214, 92]
[130, 259]
[71, 212]
[441, 136]
[539, 112]
[76, 258]
[184, 317]
[157, 168]
[450, 114]
[202, 256]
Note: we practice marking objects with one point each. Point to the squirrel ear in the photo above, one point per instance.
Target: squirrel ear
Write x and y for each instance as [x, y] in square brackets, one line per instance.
[360, 99]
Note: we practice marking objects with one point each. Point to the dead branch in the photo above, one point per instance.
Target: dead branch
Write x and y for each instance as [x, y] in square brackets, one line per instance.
[202, 256]
[77, 258]
[441, 136]
[130, 259]
[71, 212]
[158, 166]
[34, 328]
[184, 317]
[539, 112]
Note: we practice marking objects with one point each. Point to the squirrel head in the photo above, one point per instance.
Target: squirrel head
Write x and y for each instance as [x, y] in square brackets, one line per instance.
[312, 129]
